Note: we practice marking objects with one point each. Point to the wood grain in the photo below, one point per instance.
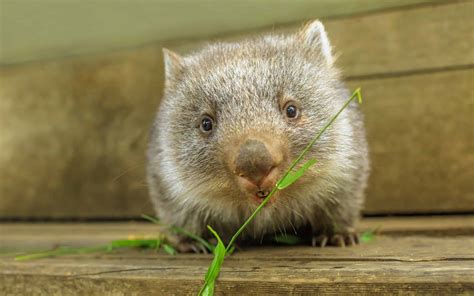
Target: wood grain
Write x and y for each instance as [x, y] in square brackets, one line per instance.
[414, 264]
[73, 135]
[38, 236]
[399, 41]
[446, 278]
[406, 40]
[421, 136]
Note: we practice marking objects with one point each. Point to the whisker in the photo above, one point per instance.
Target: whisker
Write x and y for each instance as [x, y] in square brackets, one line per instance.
[292, 210]
[128, 170]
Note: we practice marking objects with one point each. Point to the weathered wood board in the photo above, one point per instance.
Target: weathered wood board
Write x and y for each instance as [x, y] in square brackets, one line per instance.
[421, 137]
[394, 42]
[73, 131]
[394, 263]
[73, 135]
[410, 40]
[40, 236]
[305, 275]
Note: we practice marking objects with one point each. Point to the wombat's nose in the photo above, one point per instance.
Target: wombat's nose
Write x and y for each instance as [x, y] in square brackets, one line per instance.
[253, 162]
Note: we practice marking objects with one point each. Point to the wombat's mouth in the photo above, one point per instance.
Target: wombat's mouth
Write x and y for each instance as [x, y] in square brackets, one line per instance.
[262, 194]
[258, 192]
[259, 196]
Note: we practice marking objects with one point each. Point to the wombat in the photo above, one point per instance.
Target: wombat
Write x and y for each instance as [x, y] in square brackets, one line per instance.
[232, 119]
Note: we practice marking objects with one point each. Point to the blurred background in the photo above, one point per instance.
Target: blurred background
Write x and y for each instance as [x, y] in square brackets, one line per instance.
[80, 82]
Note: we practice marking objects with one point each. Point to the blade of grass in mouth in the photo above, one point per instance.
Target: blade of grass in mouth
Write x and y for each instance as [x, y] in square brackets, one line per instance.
[288, 172]
[288, 178]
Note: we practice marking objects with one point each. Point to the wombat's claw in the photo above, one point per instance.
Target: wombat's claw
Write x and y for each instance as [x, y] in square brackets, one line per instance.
[352, 239]
[200, 248]
[338, 240]
[192, 247]
[319, 241]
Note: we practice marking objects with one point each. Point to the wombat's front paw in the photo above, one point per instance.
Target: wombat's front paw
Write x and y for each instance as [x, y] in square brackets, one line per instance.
[191, 247]
[185, 244]
[337, 239]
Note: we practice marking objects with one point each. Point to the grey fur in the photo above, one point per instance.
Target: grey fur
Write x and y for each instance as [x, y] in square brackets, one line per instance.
[238, 84]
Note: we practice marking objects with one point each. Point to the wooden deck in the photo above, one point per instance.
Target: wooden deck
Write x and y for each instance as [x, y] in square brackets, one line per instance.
[424, 255]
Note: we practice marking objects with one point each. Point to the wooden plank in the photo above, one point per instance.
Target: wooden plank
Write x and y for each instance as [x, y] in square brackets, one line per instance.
[416, 225]
[420, 132]
[417, 264]
[73, 135]
[410, 39]
[35, 236]
[384, 248]
[52, 29]
[445, 278]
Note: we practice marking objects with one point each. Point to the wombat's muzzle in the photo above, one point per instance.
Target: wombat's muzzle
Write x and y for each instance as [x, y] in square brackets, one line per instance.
[257, 165]
[254, 162]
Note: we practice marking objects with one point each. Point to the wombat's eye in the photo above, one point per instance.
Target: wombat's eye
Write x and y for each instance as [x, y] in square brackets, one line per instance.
[206, 124]
[291, 110]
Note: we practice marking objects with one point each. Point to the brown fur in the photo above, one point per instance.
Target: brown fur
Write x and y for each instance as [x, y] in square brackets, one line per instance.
[242, 86]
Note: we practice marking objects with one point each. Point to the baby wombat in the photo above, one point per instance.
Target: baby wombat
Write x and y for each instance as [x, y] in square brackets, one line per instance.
[233, 117]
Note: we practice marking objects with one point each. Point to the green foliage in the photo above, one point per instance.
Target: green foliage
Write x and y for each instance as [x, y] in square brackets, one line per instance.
[368, 236]
[291, 177]
[114, 245]
[134, 243]
[60, 252]
[214, 269]
[156, 244]
[169, 249]
[182, 231]
[287, 239]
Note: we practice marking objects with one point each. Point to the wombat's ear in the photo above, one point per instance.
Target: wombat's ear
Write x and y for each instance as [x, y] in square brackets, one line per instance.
[173, 66]
[314, 35]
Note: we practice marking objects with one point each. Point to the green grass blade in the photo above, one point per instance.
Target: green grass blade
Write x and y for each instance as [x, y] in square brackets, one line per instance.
[169, 249]
[182, 231]
[291, 177]
[355, 94]
[231, 250]
[359, 95]
[368, 236]
[61, 251]
[193, 236]
[213, 271]
[287, 239]
[284, 182]
[134, 243]
[151, 219]
[249, 219]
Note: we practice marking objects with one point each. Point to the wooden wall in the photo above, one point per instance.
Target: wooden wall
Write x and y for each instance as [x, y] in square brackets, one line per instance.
[415, 67]
[32, 30]
[73, 131]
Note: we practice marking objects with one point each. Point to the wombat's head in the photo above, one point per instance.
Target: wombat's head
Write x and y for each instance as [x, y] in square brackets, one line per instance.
[235, 115]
